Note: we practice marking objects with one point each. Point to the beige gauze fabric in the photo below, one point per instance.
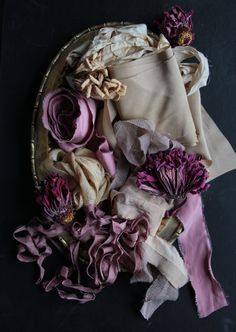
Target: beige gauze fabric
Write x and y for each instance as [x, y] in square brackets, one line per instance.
[87, 179]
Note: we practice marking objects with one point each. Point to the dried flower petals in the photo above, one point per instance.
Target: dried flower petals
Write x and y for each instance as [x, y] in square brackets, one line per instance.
[176, 25]
[172, 174]
[55, 200]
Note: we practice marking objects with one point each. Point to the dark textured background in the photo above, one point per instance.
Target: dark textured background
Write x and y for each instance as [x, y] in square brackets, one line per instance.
[32, 33]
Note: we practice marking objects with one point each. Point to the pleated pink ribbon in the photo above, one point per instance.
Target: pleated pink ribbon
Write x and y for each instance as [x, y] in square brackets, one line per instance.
[197, 251]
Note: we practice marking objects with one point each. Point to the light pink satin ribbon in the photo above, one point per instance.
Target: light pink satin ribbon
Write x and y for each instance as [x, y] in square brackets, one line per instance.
[196, 249]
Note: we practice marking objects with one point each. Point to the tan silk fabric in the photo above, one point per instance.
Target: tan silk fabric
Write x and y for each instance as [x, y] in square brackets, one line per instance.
[157, 91]
[87, 178]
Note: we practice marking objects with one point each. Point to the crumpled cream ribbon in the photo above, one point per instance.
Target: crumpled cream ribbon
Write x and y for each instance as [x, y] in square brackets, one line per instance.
[87, 179]
[195, 75]
[117, 44]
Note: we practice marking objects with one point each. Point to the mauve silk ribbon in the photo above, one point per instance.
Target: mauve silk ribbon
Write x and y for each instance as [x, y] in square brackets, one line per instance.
[196, 248]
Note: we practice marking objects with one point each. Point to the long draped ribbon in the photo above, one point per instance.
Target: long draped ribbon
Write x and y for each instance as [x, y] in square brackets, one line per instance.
[197, 251]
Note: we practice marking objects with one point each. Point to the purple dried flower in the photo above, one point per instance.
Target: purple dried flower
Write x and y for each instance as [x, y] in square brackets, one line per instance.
[176, 25]
[172, 174]
[55, 200]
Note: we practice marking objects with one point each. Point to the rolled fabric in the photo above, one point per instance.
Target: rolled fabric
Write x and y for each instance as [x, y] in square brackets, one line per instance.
[87, 179]
[196, 249]
[69, 117]
[155, 91]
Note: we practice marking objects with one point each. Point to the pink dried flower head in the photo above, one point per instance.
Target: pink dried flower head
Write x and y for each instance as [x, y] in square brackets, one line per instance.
[172, 174]
[176, 25]
[55, 200]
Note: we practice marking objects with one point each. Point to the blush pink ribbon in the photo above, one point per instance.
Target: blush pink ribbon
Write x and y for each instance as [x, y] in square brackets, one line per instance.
[197, 251]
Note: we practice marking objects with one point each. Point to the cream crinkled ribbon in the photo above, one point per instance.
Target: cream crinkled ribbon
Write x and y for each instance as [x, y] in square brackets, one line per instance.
[195, 74]
[111, 45]
[87, 179]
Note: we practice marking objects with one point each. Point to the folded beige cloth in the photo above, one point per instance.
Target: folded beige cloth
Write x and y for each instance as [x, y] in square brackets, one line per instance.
[157, 91]
[87, 179]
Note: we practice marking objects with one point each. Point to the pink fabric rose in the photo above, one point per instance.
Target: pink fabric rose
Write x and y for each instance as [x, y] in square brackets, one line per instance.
[69, 117]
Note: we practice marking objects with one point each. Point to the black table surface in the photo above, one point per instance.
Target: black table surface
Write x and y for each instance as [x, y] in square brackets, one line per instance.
[32, 33]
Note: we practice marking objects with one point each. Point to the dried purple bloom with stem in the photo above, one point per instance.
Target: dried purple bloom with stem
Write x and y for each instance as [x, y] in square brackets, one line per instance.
[172, 174]
[55, 200]
[176, 25]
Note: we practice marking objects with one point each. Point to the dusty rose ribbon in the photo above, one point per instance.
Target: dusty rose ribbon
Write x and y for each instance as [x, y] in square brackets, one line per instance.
[196, 248]
[99, 145]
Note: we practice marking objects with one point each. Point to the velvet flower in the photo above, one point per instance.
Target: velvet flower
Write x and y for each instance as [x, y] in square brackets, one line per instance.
[176, 25]
[55, 200]
[173, 173]
[69, 117]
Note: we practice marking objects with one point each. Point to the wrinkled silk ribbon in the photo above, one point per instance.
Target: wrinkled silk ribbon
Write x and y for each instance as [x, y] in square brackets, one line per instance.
[99, 145]
[197, 251]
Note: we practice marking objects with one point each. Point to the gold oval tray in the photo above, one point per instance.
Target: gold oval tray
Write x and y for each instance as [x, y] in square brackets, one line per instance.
[170, 228]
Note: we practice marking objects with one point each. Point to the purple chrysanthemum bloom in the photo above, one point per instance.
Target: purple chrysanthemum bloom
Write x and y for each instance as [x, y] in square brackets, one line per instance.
[176, 25]
[172, 174]
[55, 200]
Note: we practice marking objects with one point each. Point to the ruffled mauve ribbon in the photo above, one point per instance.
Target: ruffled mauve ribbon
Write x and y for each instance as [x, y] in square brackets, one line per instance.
[99, 248]
[34, 246]
[196, 249]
